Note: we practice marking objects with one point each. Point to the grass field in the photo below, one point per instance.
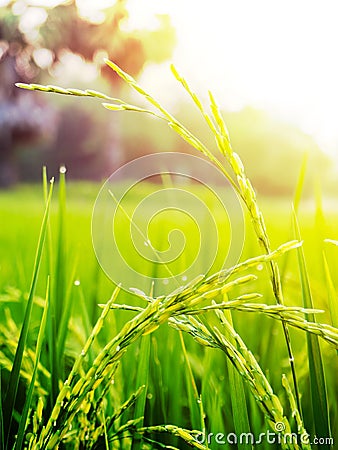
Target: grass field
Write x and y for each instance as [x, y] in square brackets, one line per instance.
[174, 374]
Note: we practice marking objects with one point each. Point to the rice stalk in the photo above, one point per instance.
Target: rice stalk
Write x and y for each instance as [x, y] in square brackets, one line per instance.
[295, 412]
[13, 383]
[184, 306]
[320, 409]
[245, 363]
[187, 435]
[248, 195]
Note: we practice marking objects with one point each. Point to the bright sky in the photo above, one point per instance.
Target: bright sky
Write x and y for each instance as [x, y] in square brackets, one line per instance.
[281, 56]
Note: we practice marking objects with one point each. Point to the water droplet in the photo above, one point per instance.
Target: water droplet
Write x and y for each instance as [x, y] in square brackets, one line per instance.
[260, 267]
[77, 282]
[63, 169]
[199, 401]
[149, 396]
[146, 243]
[70, 427]
[112, 381]
[166, 281]
[184, 278]
[118, 348]
[54, 423]
[83, 353]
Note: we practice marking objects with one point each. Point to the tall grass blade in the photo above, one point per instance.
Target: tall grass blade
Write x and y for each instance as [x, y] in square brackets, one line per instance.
[85, 320]
[63, 325]
[142, 380]
[24, 416]
[13, 383]
[296, 202]
[332, 295]
[158, 369]
[320, 227]
[194, 398]
[60, 270]
[51, 327]
[237, 393]
[58, 296]
[320, 410]
[300, 182]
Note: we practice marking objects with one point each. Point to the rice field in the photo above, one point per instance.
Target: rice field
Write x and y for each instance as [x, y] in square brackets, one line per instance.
[177, 371]
[237, 357]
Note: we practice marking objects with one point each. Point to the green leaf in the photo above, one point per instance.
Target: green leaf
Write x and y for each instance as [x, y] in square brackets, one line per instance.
[142, 380]
[24, 415]
[237, 393]
[332, 295]
[13, 384]
[320, 410]
[194, 398]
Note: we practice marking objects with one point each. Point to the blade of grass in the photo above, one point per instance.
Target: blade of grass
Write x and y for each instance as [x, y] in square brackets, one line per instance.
[237, 393]
[15, 373]
[85, 320]
[320, 227]
[332, 295]
[300, 182]
[296, 202]
[63, 325]
[158, 376]
[194, 398]
[60, 270]
[26, 408]
[59, 288]
[142, 380]
[51, 323]
[320, 410]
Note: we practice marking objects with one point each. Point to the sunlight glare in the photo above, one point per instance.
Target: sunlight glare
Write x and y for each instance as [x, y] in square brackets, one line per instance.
[276, 57]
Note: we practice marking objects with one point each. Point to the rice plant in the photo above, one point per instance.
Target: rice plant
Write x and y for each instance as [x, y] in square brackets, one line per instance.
[145, 385]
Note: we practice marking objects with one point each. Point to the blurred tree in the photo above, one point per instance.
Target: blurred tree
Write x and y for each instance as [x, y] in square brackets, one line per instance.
[35, 39]
[20, 114]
